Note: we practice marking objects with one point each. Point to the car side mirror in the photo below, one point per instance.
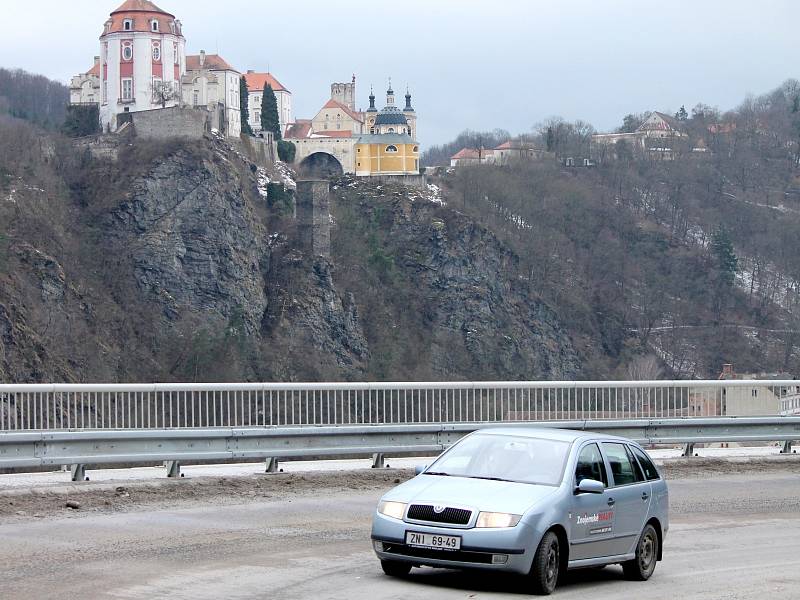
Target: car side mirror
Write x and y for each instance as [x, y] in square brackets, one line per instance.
[590, 486]
[419, 469]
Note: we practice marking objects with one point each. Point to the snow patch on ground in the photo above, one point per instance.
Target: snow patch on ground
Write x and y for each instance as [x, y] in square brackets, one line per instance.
[262, 181]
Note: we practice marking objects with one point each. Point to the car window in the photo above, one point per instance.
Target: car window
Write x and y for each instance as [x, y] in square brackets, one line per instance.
[621, 467]
[590, 465]
[506, 457]
[637, 470]
[647, 464]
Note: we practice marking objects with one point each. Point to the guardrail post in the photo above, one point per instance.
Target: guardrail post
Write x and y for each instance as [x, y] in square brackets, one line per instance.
[173, 468]
[787, 447]
[78, 472]
[272, 465]
[688, 449]
[377, 460]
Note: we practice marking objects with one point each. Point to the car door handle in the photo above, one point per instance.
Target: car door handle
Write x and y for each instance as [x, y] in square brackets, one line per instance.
[611, 502]
[645, 495]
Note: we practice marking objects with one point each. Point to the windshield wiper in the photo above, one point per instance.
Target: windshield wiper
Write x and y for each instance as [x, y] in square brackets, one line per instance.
[436, 473]
[489, 478]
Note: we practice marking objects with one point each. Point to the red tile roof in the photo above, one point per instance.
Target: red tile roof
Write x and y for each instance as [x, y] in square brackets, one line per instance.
[505, 146]
[256, 82]
[334, 134]
[140, 6]
[95, 70]
[298, 129]
[213, 62]
[141, 12]
[335, 104]
[467, 153]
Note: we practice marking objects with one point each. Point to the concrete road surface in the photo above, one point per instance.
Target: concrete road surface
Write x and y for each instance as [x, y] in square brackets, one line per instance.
[732, 537]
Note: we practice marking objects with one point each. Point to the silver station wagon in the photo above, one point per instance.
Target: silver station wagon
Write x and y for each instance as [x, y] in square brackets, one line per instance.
[527, 500]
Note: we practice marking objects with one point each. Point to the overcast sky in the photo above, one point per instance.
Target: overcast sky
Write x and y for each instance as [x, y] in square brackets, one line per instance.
[470, 64]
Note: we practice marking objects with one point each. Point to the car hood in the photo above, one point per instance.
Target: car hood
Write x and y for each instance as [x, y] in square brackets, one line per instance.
[479, 494]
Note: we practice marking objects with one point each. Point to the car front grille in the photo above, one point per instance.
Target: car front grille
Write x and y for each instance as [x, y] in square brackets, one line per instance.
[451, 516]
[423, 553]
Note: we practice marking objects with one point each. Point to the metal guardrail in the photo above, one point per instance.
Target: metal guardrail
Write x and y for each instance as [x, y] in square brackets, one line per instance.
[79, 448]
[182, 406]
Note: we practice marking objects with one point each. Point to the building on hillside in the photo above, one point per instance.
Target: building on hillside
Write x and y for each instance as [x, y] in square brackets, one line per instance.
[508, 152]
[255, 89]
[213, 84]
[390, 147]
[367, 143]
[659, 137]
[85, 88]
[142, 61]
[743, 400]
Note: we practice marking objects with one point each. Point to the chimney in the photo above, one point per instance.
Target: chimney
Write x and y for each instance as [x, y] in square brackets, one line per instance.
[727, 372]
[202, 57]
[96, 61]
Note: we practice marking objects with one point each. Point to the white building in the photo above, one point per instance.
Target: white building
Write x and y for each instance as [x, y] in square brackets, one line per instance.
[213, 84]
[142, 61]
[85, 88]
[255, 88]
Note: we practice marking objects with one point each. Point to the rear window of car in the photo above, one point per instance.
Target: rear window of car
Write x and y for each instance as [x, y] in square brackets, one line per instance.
[650, 471]
[622, 469]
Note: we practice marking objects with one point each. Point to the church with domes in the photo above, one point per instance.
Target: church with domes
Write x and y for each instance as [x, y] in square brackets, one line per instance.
[390, 147]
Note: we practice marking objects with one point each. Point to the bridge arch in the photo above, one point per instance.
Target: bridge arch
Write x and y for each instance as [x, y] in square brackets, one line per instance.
[321, 164]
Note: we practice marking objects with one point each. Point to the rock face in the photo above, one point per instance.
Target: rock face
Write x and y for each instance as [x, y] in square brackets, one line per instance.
[181, 271]
[473, 316]
[194, 240]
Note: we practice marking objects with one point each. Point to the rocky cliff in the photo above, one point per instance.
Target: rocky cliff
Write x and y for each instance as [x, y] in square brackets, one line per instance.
[170, 263]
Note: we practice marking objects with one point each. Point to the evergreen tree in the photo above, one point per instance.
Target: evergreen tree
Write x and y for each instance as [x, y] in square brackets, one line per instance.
[243, 104]
[682, 115]
[724, 257]
[269, 112]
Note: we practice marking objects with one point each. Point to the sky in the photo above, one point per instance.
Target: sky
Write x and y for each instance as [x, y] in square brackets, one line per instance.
[470, 64]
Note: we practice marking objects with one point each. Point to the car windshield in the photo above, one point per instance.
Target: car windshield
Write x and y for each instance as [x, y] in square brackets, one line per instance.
[504, 457]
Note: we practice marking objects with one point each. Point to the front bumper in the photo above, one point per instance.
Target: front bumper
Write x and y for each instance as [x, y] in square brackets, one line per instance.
[504, 549]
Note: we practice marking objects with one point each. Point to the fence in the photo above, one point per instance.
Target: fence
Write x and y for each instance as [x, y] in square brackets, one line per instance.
[169, 406]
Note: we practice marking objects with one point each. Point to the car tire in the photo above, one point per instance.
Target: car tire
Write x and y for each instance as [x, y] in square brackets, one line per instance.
[546, 565]
[643, 565]
[394, 568]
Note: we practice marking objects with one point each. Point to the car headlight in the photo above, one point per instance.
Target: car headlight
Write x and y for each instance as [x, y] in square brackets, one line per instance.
[396, 510]
[493, 519]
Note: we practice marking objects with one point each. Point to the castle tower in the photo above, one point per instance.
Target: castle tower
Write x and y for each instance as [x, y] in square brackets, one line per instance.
[372, 112]
[345, 93]
[143, 56]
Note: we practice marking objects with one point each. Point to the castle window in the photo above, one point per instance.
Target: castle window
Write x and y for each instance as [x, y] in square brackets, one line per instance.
[127, 24]
[175, 53]
[391, 148]
[391, 129]
[338, 126]
[416, 148]
[195, 98]
[156, 52]
[154, 25]
[127, 89]
[127, 51]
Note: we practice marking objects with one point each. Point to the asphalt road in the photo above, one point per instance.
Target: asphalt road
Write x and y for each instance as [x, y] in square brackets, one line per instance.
[732, 537]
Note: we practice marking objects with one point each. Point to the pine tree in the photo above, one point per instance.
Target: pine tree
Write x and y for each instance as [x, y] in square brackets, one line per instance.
[269, 112]
[724, 257]
[243, 104]
[682, 115]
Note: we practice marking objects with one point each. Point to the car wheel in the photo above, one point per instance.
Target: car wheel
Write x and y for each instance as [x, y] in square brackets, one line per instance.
[395, 568]
[643, 565]
[546, 563]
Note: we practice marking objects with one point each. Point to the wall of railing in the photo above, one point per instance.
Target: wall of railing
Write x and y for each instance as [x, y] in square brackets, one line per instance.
[153, 406]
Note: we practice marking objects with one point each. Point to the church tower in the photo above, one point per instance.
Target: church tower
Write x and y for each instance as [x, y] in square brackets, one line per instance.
[411, 115]
[142, 56]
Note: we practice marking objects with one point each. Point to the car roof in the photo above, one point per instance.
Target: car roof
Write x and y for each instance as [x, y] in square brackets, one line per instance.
[550, 433]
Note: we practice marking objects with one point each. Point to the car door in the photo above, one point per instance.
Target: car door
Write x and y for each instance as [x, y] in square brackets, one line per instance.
[590, 518]
[630, 495]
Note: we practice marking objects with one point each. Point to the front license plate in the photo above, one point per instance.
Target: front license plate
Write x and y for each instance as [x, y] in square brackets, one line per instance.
[432, 540]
